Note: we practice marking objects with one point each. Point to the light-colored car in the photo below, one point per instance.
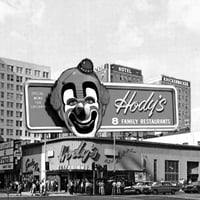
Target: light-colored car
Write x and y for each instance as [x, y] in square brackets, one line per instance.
[139, 188]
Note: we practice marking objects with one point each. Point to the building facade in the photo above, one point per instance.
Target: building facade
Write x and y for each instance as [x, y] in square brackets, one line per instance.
[13, 74]
[119, 73]
[184, 100]
[131, 161]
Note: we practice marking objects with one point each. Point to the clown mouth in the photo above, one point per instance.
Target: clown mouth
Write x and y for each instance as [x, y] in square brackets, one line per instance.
[83, 127]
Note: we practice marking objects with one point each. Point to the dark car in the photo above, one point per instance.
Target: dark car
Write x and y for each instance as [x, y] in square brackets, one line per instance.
[192, 188]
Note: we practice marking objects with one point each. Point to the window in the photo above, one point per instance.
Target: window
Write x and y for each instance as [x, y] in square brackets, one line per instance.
[1, 85]
[10, 86]
[1, 131]
[37, 72]
[2, 103]
[28, 71]
[9, 113]
[9, 104]
[10, 77]
[19, 97]
[9, 122]
[9, 131]
[19, 70]
[45, 75]
[2, 113]
[19, 123]
[1, 94]
[10, 95]
[1, 121]
[19, 79]
[10, 68]
[18, 132]
[2, 76]
[18, 114]
[2, 67]
[19, 105]
[19, 88]
[171, 170]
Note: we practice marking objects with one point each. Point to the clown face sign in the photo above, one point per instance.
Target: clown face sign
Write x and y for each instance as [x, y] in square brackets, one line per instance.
[77, 102]
[80, 99]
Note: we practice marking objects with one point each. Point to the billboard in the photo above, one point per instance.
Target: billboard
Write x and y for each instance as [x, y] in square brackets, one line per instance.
[132, 107]
[6, 156]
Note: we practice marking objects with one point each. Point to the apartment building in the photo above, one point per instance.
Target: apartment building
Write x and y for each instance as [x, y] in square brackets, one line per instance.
[183, 97]
[13, 74]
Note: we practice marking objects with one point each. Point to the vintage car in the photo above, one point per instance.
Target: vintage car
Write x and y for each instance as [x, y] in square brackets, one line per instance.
[139, 188]
[164, 187]
[192, 188]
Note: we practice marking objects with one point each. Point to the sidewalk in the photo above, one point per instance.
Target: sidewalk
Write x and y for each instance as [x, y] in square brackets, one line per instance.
[28, 194]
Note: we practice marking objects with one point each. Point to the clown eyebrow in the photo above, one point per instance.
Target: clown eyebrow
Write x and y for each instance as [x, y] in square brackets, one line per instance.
[69, 86]
[90, 85]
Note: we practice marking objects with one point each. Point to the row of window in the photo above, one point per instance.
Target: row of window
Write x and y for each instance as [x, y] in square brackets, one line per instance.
[11, 77]
[10, 86]
[10, 122]
[10, 96]
[10, 113]
[10, 132]
[20, 70]
[125, 78]
[11, 104]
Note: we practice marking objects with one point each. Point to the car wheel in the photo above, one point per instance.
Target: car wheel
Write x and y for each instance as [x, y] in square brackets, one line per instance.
[138, 192]
[155, 191]
[172, 192]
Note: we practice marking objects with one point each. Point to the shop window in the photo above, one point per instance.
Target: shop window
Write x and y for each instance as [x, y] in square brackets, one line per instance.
[171, 170]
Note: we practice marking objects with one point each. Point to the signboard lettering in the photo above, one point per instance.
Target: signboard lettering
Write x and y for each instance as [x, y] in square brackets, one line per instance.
[31, 165]
[145, 105]
[80, 152]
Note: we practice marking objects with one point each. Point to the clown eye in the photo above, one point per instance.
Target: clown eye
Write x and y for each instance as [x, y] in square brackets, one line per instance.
[72, 102]
[90, 100]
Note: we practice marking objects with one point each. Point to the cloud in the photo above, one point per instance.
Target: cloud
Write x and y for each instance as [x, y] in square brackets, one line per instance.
[5, 10]
[23, 9]
[185, 13]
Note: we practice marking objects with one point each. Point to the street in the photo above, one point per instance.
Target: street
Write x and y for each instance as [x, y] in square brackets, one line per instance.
[177, 196]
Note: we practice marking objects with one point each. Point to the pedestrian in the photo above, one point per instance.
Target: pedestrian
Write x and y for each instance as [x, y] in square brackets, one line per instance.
[19, 189]
[113, 188]
[33, 189]
[118, 185]
[102, 188]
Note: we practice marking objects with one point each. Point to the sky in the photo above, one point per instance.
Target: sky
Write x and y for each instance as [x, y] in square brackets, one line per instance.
[156, 36]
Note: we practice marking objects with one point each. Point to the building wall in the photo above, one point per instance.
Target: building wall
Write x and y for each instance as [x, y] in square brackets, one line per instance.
[119, 73]
[78, 154]
[184, 101]
[183, 97]
[13, 74]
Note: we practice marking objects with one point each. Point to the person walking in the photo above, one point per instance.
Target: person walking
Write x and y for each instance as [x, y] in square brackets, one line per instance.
[118, 185]
[113, 188]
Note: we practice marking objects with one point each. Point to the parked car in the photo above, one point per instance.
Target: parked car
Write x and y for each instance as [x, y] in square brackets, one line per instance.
[139, 188]
[192, 188]
[164, 187]
[129, 190]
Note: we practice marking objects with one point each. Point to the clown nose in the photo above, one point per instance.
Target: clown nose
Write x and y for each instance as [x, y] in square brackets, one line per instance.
[80, 112]
[86, 66]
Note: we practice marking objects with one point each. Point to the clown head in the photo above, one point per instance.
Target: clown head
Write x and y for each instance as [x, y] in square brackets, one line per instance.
[80, 99]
